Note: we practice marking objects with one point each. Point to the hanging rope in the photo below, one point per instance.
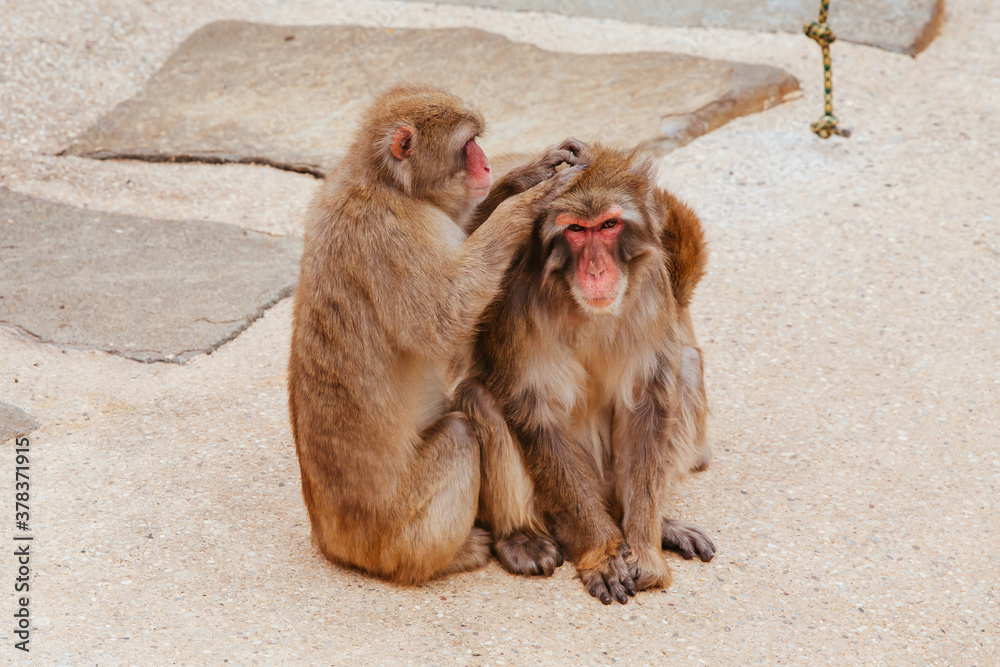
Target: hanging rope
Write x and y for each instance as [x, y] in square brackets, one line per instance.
[821, 32]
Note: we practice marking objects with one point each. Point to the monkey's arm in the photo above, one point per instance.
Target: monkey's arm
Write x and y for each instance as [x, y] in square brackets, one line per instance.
[526, 176]
[507, 187]
[477, 272]
[570, 494]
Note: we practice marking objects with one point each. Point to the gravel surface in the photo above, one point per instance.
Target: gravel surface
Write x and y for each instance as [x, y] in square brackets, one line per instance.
[849, 320]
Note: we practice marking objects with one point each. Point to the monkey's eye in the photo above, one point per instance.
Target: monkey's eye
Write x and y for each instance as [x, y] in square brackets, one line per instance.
[609, 224]
[575, 228]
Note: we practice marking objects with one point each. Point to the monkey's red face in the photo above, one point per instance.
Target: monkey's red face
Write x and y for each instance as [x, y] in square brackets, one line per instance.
[478, 175]
[597, 282]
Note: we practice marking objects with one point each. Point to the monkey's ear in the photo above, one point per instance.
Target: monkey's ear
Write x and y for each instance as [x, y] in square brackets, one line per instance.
[403, 141]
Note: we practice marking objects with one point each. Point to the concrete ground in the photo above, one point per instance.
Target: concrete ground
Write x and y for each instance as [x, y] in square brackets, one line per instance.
[850, 325]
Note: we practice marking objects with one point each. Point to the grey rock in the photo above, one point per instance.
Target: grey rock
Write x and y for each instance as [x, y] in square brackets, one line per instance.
[905, 26]
[289, 96]
[14, 422]
[149, 290]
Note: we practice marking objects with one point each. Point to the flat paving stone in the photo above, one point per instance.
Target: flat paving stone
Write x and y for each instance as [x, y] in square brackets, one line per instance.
[149, 290]
[14, 422]
[290, 96]
[905, 26]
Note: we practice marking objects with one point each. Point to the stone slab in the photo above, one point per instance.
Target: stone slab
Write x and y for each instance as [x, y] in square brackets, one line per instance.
[14, 422]
[290, 96]
[905, 26]
[149, 290]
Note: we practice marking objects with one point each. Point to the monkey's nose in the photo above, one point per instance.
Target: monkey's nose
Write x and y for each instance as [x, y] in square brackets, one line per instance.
[595, 270]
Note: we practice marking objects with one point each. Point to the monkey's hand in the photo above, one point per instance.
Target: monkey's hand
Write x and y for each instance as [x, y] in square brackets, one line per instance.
[520, 211]
[648, 568]
[528, 177]
[540, 196]
[604, 573]
[543, 167]
[688, 539]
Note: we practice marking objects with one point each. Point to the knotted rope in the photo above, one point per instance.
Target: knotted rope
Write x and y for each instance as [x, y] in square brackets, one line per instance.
[821, 32]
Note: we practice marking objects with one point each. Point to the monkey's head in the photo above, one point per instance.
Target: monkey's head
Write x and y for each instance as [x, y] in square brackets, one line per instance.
[599, 234]
[422, 141]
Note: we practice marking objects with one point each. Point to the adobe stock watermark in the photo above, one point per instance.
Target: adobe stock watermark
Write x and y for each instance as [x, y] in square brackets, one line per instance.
[22, 544]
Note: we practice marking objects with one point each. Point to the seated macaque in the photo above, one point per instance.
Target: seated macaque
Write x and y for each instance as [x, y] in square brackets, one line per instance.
[389, 294]
[587, 381]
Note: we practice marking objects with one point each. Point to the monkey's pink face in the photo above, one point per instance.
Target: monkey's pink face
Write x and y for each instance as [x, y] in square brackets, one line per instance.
[478, 175]
[599, 285]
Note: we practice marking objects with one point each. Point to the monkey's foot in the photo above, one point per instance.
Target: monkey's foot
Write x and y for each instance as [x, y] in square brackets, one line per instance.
[648, 568]
[521, 553]
[604, 573]
[688, 539]
[474, 554]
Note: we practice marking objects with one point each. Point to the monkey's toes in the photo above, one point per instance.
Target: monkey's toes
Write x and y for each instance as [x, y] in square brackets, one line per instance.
[687, 539]
[521, 553]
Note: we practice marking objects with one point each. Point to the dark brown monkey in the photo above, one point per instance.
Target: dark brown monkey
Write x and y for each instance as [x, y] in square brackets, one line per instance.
[590, 358]
[390, 290]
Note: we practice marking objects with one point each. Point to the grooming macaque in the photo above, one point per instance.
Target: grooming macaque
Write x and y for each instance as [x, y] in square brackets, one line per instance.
[589, 356]
[389, 294]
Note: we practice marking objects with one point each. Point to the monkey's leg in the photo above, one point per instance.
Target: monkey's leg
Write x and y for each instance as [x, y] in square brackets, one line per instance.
[572, 497]
[688, 539]
[641, 440]
[506, 492]
[442, 487]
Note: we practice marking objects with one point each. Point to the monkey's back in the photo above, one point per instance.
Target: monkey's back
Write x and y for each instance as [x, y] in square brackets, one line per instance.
[353, 394]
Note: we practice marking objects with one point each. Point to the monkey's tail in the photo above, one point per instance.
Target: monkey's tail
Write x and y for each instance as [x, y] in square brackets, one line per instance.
[684, 243]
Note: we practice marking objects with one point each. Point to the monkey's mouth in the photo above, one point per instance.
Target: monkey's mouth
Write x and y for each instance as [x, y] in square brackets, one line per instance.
[599, 304]
[478, 193]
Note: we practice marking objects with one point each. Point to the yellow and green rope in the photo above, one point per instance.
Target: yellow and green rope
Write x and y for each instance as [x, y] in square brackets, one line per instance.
[821, 32]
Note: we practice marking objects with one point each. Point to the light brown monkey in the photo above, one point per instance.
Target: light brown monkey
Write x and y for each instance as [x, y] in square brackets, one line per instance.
[589, 356]
[390, 290]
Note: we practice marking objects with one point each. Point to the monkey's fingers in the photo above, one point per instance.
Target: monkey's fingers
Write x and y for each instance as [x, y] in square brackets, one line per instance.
[605, 586]
[617, 589]
[688, 539]
[574, 147]
[557, 157]
[551, 189]
[610, 581]
[626, 580]
[570, 151]
[595, 585]
[622, 569]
